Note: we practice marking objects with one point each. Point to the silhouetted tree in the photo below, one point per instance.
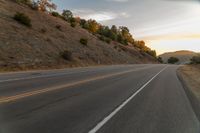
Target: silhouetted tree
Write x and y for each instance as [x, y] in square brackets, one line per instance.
[93, 26]
[160, 59]
[195, 59]
[151, 52]
[43, 5]
[114, 29]
[67, 15]
[173, 60]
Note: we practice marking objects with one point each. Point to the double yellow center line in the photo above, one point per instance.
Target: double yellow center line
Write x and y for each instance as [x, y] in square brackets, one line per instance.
[36, 92]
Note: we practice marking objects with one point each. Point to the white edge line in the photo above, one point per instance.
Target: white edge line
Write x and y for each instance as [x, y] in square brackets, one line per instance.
[107, 118]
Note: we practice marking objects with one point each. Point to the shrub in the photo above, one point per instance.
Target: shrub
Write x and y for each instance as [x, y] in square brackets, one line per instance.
[43, 30]
[160, 59]
[173, 60]
[108, 40]
[84, 41]
[59, 27]
[102, 38]
[27, 2]
[195, 59]
[152, 53]
[67, 15]
[73, 24]
[45, 5]
[115, 47]
[55, 14]
[23, 19]
[67, 55]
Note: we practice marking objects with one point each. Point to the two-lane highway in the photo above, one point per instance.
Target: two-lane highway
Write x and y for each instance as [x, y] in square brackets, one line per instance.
[109, 99]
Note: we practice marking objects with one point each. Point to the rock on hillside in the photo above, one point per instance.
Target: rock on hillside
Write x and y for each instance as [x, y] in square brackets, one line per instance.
[40, 46]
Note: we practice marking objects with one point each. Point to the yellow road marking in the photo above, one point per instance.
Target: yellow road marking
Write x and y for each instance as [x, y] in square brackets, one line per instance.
[27, 94]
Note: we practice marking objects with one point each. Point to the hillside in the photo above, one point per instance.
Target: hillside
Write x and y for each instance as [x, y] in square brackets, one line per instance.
[40, 46]
[183, 56]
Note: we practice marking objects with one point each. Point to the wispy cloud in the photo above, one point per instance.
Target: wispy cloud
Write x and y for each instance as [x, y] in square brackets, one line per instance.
[154, 21]
[99, 16]
[172, 37]
[182, 0]
[118, 0]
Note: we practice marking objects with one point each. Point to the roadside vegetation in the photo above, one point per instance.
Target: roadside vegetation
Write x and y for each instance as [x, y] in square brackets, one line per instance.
[23, 19]
[160, 59]
[67, 55]
[189, 75]
[173, 60]
[195, 59]
[84, 41]
[108, 34]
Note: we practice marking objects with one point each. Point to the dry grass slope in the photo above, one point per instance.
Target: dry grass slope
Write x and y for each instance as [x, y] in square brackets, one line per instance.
[191, 75]
[183, 56]
[39, 47]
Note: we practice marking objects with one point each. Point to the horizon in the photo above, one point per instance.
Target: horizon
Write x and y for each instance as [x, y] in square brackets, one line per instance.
[168, 28]
[72, 66]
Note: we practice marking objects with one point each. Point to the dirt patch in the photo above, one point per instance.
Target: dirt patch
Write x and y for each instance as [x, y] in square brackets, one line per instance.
[189, 75]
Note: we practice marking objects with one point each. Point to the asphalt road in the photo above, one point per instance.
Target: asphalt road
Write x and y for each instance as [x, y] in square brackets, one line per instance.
[114, 99]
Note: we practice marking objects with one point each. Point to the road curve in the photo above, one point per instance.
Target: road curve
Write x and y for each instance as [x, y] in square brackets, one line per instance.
[109, 99]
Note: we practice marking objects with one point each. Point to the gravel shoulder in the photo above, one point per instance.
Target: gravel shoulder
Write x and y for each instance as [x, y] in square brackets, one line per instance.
[189, 75]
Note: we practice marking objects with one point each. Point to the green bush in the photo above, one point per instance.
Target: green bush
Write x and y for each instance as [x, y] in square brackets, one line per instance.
[73, 24]
[59, 27]
[43, 30]
[27, 2]
[67, 15]
[115, 47]
[151, 52]
[67, 55]
[173, 60]
[84, 41]
[105, 39]
[102, 38]
[23, 19]
[55, 14]
[195, 59]
[160, 59]
[108, 40]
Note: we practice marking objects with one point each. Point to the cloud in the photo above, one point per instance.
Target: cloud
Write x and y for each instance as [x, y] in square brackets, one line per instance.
[99, 16]
[124, 14]
[96, 15]
[117, 0]
[172, 37]
[189, 26]
[103, 16]
[183, 0]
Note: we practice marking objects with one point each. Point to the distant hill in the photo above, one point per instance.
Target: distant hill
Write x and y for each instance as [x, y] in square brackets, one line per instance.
[184, 56]
[41, 45]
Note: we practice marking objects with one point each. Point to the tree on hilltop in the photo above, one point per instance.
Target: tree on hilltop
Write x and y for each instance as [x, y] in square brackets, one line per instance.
[173, 60]
[43, 5]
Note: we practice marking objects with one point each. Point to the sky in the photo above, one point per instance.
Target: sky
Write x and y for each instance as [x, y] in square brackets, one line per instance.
[165, 25]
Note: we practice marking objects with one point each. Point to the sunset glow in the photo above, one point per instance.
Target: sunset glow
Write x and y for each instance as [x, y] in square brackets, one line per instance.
[163, 24]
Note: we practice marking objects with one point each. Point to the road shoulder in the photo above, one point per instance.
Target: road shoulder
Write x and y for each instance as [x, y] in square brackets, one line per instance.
[189, 76]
